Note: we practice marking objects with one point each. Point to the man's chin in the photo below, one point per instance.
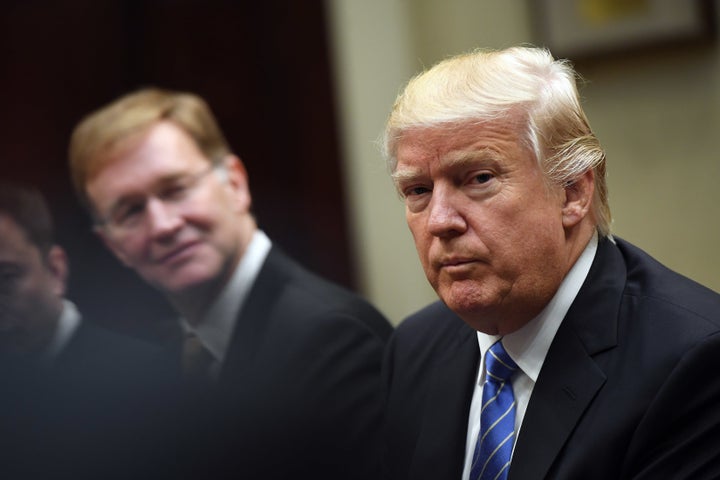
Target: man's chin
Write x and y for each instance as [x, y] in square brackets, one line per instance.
[466, 297]
[477, 311]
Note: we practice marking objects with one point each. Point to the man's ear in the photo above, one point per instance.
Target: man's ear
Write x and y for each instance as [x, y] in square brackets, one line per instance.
[57, 264]
[110, 244]
[238, 180]
[578, 199]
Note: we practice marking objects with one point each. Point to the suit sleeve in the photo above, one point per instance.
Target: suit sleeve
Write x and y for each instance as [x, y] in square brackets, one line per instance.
[679, 436]
[340, 379]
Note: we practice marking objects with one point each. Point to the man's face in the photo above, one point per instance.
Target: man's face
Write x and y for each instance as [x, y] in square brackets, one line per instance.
[168, 215]
[31, 291]
[487, 226]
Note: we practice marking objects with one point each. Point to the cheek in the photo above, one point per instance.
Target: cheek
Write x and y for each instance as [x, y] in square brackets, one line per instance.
[421, 238]
[29, 299]
[210, 214]
[534, 227]
[423, 245]
[132, 252]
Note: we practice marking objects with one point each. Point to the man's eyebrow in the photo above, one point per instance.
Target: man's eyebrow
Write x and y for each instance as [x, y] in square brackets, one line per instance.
[451, 160]
[123, 202]
[460, 158]
[405, 174]
[161, 182]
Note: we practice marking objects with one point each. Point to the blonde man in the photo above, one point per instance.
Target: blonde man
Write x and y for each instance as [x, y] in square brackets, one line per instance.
[556, 351]
[292, 361]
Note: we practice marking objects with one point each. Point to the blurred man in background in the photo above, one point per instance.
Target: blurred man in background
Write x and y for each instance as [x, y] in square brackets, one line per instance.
[36, 322]
[76, 397]
[292, 362]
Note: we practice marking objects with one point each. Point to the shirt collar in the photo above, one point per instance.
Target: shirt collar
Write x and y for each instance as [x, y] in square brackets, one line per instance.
[68, 322]
[216, 327]
[529, 345]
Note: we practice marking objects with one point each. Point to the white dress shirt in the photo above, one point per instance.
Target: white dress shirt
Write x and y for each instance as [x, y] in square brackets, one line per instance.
[216, 327]
[68, 322]
[528, 347]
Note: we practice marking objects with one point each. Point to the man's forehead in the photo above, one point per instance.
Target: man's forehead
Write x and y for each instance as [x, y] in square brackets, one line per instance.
[509, 128]
[10, 227]
[161, 138]
[13, 240]
[454, 149]
[143, 165]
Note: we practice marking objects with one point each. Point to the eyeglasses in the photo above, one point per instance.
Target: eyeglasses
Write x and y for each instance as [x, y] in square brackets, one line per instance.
[130, 215]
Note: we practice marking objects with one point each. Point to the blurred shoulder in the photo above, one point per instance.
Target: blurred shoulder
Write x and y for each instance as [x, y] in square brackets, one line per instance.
[315, 300]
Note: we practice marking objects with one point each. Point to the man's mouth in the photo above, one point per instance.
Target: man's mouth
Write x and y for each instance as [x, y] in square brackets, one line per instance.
[178, 253]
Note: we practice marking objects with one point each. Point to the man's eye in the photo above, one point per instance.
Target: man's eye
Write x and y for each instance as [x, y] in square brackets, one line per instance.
[483, 177]
[9, 278]
[415, 191]
[127, 214]
[174, 192]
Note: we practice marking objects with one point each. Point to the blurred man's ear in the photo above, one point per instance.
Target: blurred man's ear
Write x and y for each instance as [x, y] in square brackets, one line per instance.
[237, 179]
[58, 266]
[578, 199]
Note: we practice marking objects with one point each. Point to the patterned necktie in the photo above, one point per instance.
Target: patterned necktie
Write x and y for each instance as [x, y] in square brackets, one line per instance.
[491, 459]
[197, 361]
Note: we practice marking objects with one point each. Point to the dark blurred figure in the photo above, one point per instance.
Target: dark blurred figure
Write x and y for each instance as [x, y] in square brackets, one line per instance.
[292, 362]
[78, 401]
[35, 320]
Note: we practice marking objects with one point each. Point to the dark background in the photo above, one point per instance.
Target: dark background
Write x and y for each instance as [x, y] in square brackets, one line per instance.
[263, 66]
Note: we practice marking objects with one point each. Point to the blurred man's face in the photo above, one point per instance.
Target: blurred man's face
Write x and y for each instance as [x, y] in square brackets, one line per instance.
[31, 291]
[166, 213]
[487, 227]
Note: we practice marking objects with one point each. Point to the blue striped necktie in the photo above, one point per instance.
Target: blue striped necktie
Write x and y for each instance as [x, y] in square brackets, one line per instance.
[491, 459]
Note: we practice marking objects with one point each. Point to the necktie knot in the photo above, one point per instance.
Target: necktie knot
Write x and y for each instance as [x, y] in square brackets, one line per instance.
[197, 361]
[499, 367]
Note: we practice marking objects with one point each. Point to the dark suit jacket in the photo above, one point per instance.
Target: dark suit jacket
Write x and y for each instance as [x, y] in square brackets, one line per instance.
[100, 410]
[629, 388]
[300, 393]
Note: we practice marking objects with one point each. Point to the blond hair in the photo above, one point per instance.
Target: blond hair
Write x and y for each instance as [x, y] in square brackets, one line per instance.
[489, 85]
[102, 131]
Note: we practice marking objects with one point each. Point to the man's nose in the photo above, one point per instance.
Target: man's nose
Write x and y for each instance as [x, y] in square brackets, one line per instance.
[445, 218]
[163, 219]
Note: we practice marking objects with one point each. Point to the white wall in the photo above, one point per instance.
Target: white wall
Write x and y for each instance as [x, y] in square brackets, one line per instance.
[659, 121]
[656, 115]
[372, 50]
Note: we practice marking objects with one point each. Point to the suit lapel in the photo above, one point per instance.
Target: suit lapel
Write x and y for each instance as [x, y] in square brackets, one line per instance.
[557, 403]
[570, 377]
[440, 450]
[252, 318]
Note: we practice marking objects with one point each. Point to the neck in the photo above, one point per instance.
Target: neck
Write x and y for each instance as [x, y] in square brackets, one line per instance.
[577, 240]
[194, 302]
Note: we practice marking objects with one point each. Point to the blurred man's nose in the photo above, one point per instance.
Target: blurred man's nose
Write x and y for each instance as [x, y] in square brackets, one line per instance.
[162, 218]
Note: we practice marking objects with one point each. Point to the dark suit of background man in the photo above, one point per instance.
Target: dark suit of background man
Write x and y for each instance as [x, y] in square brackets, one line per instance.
[296, 360]
[78, 401]
[505, 194]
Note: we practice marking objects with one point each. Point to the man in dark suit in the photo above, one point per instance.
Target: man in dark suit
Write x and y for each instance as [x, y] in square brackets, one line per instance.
[292, 362]
[556, 351]
[76, 396]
